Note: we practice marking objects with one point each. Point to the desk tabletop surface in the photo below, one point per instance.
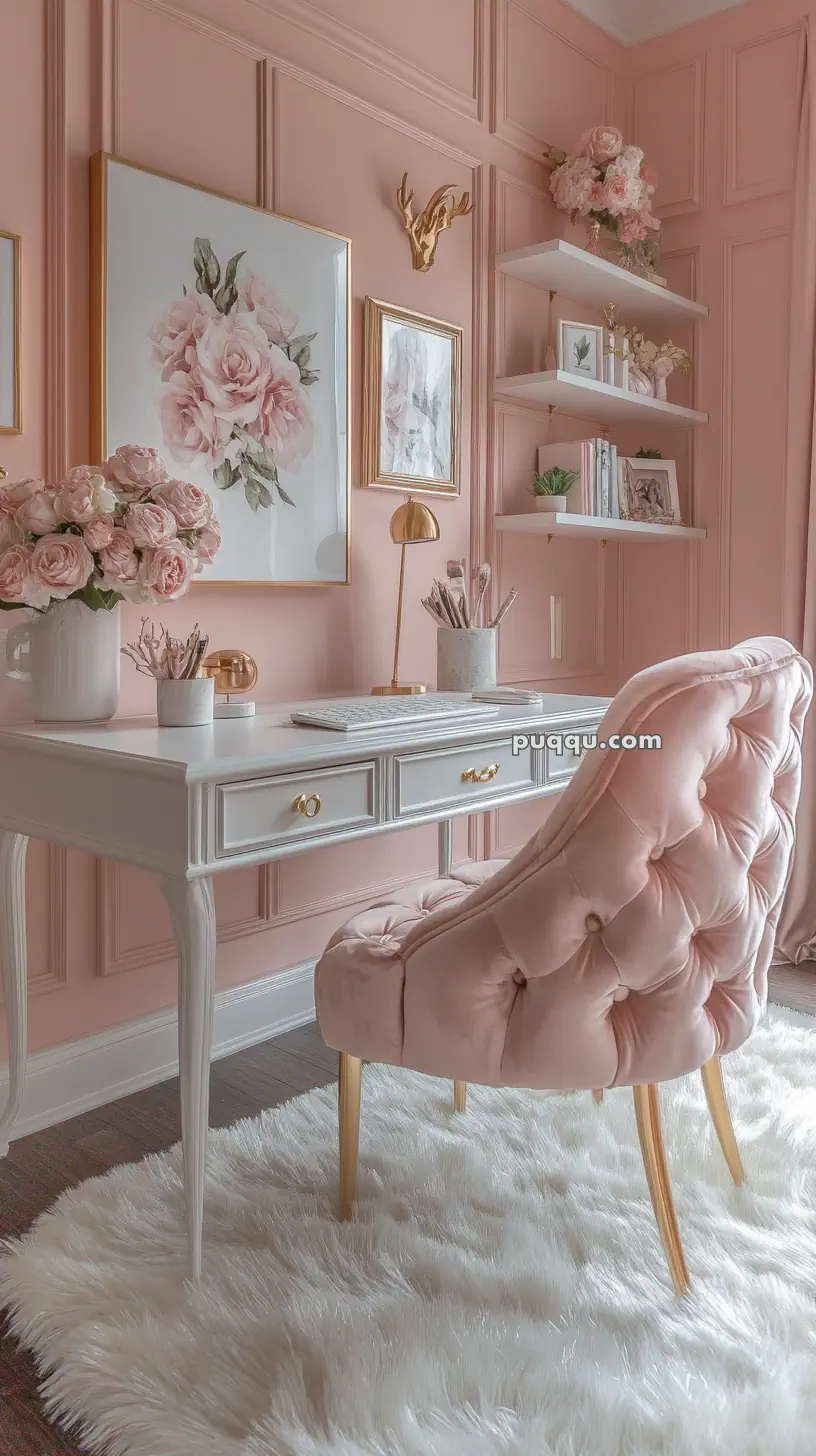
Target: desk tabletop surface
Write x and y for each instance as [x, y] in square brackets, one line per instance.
[270, 741]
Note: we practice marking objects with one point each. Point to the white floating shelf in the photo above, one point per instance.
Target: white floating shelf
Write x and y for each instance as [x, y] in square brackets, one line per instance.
[586, 279]
[594, 401]
[602, 528]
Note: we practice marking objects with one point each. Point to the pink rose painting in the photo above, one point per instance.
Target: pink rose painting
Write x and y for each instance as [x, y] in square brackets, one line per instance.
[234, 380]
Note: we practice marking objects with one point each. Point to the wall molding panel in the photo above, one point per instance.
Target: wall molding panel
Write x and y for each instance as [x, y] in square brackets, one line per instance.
[780, 178]
[694, 69]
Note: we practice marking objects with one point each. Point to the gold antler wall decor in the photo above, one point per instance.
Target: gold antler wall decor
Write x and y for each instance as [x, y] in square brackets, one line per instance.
[424, 229]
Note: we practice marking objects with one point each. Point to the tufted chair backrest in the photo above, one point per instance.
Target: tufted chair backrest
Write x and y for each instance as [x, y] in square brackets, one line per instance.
[629, 940]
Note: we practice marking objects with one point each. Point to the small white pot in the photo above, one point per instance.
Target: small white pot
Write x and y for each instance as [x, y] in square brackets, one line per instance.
[184, 702]
[551, 502]
[465, 659]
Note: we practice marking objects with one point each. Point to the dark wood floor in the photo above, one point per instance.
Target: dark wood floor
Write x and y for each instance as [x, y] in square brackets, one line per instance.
[40, 1167]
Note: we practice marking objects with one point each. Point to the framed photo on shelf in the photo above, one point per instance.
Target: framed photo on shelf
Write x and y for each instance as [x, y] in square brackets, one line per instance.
[412, 401]
[581, 349]
[11, 413]
[647, 491]
[220, 335]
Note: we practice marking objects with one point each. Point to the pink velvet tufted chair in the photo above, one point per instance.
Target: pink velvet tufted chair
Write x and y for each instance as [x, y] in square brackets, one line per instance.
[627, 943]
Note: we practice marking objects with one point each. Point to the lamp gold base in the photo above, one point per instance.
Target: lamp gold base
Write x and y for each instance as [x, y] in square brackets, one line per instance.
[394, 688]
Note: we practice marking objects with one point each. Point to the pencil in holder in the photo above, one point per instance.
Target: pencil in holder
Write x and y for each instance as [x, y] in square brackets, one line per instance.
[465, 659]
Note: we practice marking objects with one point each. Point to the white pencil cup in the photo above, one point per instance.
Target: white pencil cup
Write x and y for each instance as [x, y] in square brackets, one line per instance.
[465, 659]
[184, 702]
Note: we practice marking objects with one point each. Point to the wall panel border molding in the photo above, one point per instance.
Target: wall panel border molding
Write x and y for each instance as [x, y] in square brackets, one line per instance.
[693, 201]
[784, 182]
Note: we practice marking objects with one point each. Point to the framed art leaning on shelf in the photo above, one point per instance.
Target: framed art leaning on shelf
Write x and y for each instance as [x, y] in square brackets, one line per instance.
[220, 336]
[412, 401]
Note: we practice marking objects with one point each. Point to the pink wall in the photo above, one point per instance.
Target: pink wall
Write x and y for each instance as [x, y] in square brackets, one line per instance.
[315, 110]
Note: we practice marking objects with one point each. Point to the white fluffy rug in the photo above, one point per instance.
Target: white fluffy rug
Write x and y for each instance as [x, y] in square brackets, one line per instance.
[503, 1291]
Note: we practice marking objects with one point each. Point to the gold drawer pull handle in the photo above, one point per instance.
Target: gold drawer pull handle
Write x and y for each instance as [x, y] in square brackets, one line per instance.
[308, 806]
[480, 775]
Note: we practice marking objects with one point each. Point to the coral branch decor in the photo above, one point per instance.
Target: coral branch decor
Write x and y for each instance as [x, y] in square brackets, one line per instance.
[423, 229]
[124, 529]
[610, 184]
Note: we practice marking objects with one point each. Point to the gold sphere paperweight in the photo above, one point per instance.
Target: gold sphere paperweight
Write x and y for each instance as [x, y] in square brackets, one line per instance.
[234, 672]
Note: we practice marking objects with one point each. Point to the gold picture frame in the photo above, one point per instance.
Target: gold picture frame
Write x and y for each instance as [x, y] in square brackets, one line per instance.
[11, 367]
[100, 169]
[431, 439]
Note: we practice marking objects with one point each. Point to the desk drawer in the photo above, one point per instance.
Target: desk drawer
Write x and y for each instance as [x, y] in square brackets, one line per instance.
[259, 812]
[443, 775]
[561, 763]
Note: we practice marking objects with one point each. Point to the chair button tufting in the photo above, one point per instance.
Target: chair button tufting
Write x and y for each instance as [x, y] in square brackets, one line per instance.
[656, 854]
[703, 789]
[593, 922]
[519, 978]
[621, 993]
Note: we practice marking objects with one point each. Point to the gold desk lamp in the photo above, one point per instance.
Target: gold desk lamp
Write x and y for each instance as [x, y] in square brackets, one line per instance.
[411, 523]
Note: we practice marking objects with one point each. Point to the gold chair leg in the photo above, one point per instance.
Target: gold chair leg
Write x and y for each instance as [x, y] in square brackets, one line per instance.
[721, 1118]
[647, 1111]
[459, 1096]
[351, 1072]
[597, 1094]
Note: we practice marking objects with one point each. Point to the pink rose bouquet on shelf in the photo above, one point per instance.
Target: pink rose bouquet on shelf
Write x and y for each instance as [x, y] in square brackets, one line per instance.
[234, 379]
[106, 532]
[611, 184]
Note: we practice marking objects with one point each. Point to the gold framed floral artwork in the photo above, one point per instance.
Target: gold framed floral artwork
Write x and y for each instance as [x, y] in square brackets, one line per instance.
[412, 401]
[11, 411]
[220, 335]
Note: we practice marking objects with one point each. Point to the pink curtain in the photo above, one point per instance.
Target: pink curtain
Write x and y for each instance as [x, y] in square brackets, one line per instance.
[796, 936]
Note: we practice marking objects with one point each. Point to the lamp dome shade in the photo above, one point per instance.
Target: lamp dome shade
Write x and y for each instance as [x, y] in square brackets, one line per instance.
[412, 522]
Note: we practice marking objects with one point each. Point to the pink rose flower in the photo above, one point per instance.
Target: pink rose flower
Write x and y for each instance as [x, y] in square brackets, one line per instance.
[630, 159]
[15, 573]
[149, 523]
[209, 542]
[190, 429]
[173, 336]
[284, 423]
[167, 571]
[61, 564]
[118, 559]
[38, 514]
[572, 185]
[631, 228]
[98, 532]
[84, 494]
[648, 175]
[11, 533]
[601, 143]
[275, 316]
[190, 505]
[14, 492]
[135, 468]
[622, 192]
[232, 356]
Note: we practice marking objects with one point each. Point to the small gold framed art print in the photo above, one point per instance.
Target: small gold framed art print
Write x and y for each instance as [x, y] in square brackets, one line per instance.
[412, 401]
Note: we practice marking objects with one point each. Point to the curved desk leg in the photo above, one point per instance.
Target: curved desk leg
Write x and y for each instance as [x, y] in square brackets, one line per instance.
[193, 911]
[14, 968]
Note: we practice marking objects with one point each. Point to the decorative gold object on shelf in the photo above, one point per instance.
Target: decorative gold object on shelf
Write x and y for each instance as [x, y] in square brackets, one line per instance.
[3, 472]
[234, 672]
[410, 523]
[424, 229]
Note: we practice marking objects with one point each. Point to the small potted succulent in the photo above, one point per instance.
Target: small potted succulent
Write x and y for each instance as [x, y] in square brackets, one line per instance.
[550, 489]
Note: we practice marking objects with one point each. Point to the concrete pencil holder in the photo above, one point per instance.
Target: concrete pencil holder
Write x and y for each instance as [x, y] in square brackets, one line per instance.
[465, 659]
[184, 702]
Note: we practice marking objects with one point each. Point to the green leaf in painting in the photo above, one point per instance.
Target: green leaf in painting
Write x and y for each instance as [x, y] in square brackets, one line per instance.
[294, 346]
[283, 495]
[227, 296]
[223, 475]
[264, 467]
[308, 376]
[208, 269]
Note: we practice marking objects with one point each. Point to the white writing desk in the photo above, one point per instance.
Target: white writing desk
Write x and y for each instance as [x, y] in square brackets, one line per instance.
[191, 802]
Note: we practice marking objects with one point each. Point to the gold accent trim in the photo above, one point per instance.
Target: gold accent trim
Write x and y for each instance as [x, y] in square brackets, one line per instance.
[17, 373]
[349, 1094]
[480, 775]
[459, 1096]
[375, 312]
[99, 164]
[647, 1112]
[721, 1117]
[310, 805]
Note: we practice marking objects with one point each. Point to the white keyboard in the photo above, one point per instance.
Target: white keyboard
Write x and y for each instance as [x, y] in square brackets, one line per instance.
[370, 715]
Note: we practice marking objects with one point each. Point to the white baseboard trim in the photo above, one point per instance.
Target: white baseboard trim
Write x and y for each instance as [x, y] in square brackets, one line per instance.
[79, 1075]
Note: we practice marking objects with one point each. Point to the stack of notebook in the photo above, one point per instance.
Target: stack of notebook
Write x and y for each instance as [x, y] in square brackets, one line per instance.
[595, 492]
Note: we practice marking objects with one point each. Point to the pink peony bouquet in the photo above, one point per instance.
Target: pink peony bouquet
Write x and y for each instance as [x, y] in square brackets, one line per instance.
[106, 532]
[609, 182]
[234, 379]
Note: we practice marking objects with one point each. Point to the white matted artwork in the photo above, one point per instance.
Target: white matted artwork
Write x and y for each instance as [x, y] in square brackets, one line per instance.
[647, 490]
[581, 349]
[220, 335]
[411, 401]
[11, 422]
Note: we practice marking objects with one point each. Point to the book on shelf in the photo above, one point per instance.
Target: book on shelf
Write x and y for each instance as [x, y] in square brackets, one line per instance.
[595, 492]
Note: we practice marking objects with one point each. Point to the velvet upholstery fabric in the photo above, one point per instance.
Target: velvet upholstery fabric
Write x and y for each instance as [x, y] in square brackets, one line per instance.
[629, 940]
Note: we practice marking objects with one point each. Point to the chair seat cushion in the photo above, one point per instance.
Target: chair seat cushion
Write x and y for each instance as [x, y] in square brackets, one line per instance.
[360, 978]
